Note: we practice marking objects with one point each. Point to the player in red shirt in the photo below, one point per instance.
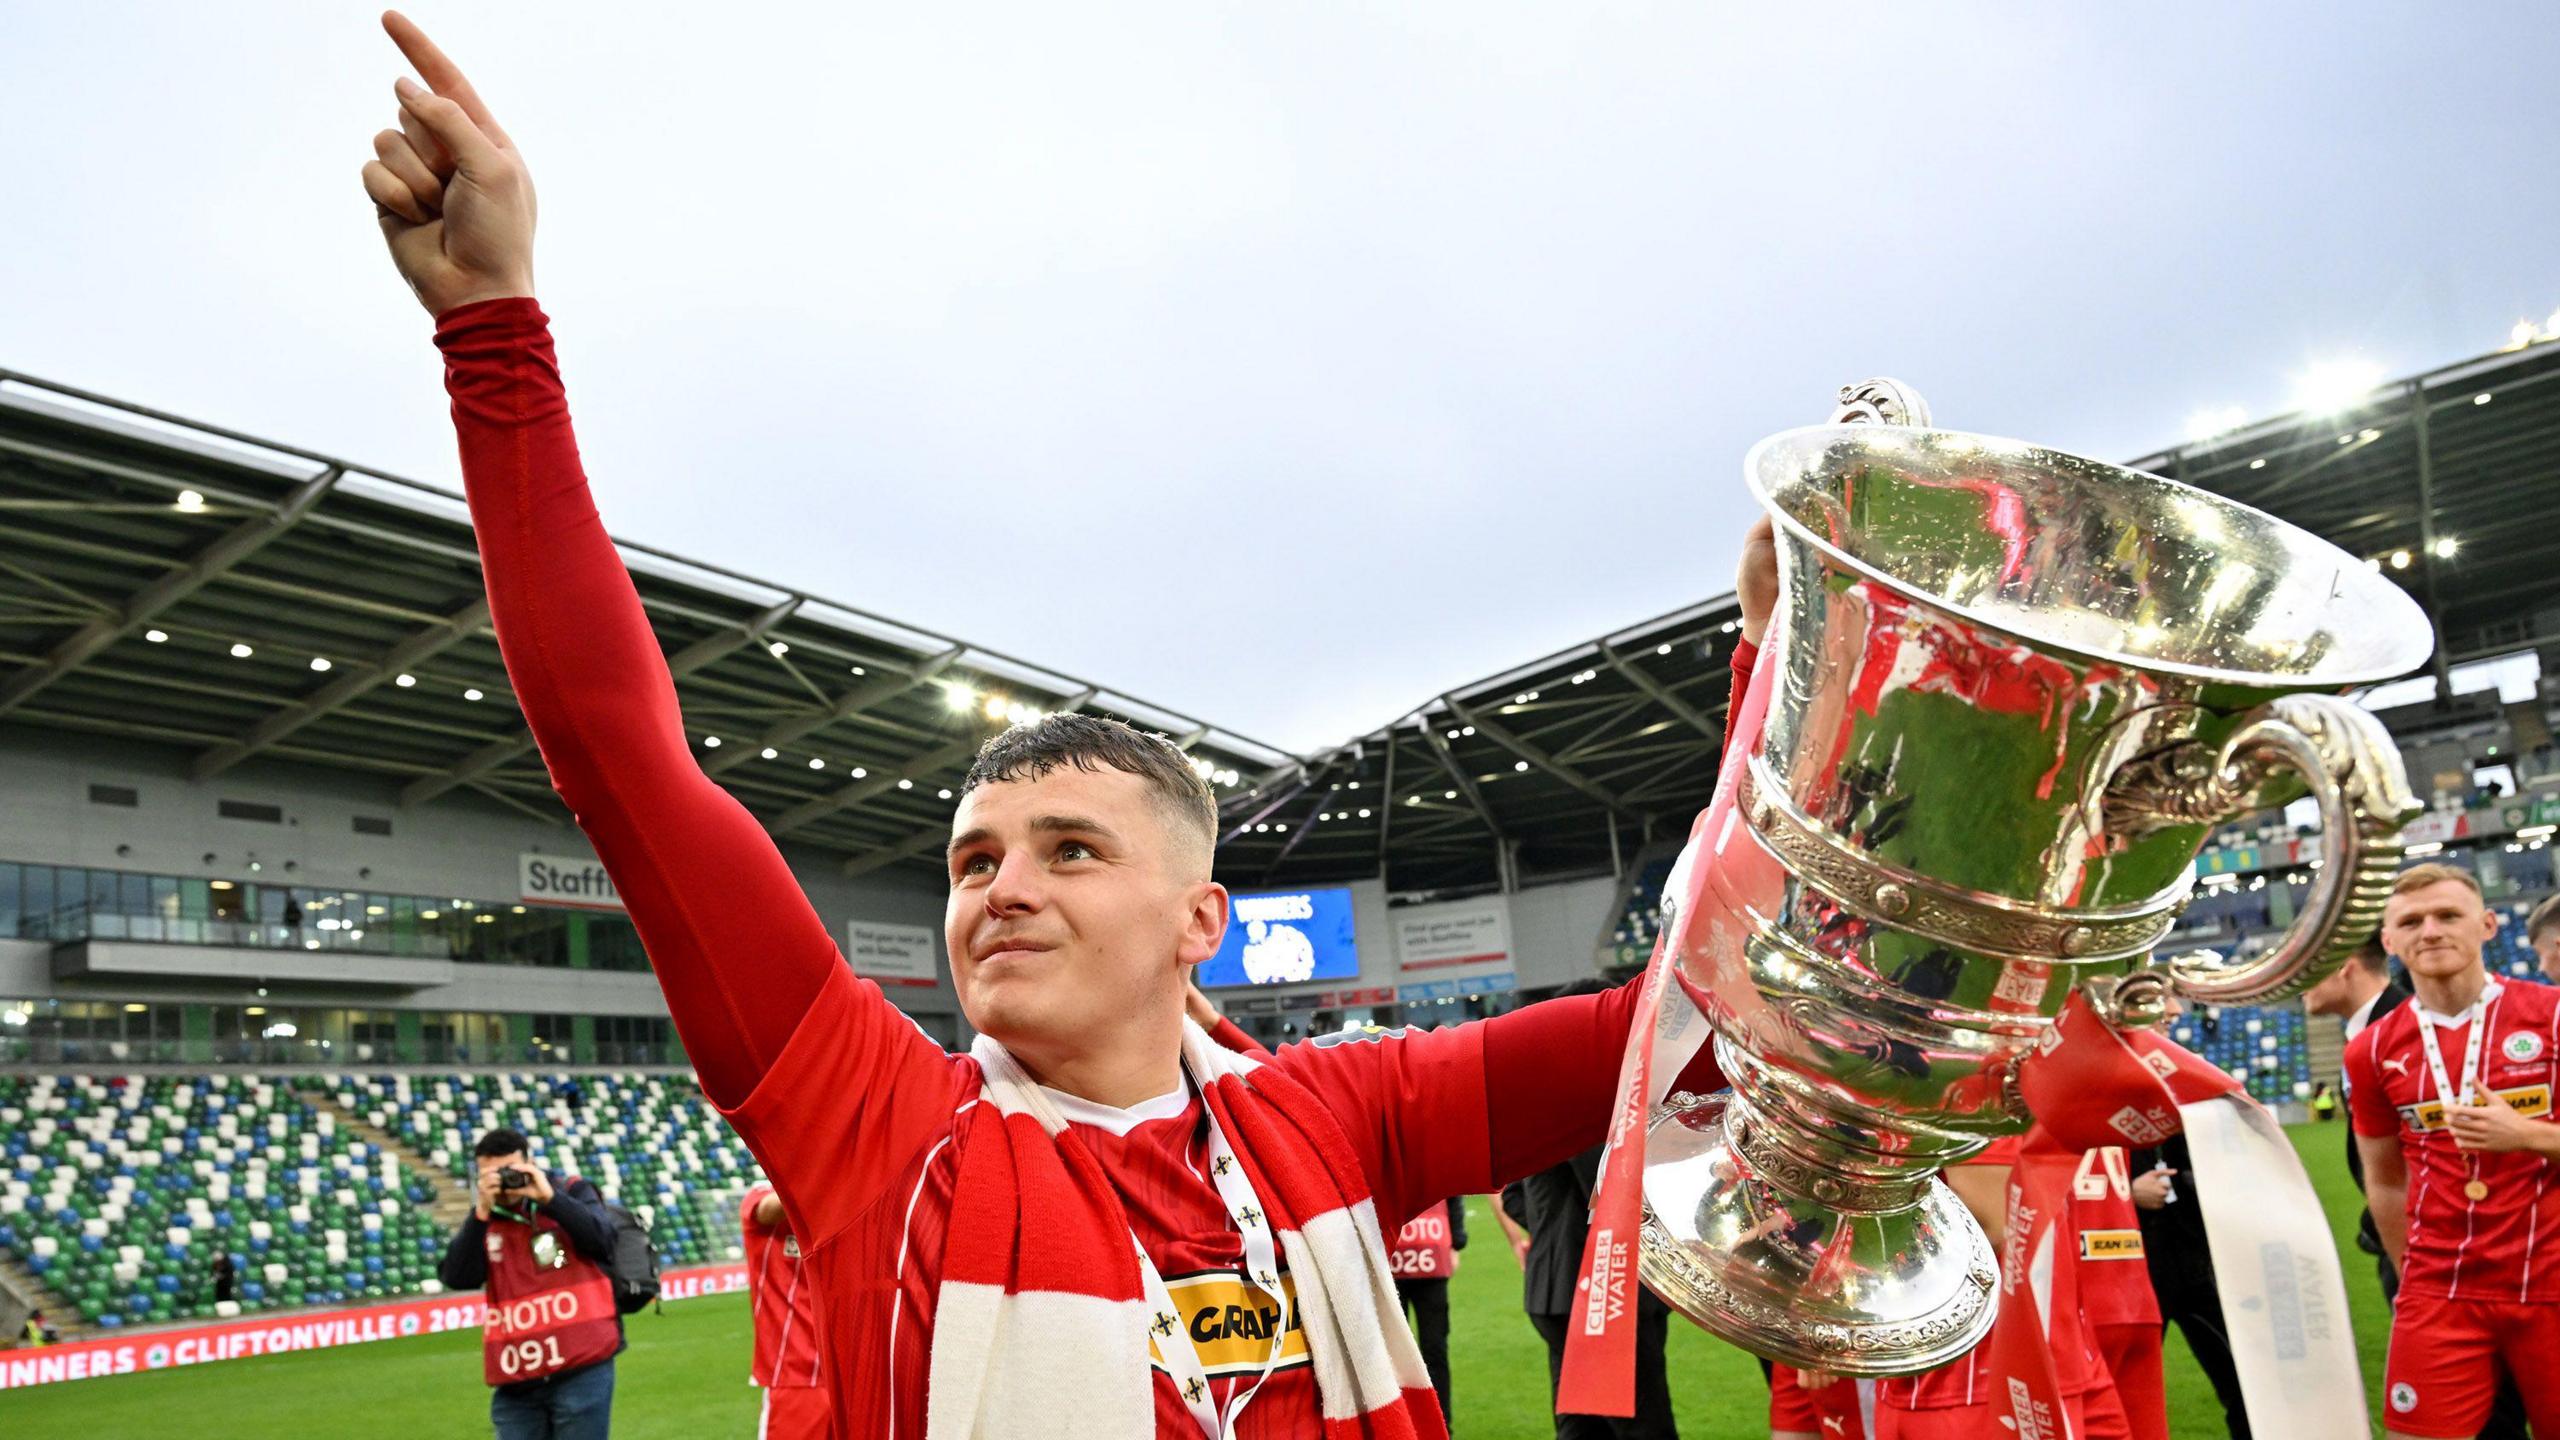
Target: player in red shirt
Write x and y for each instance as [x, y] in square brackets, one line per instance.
[2115, 1288]
[1960, 1400]
[1080, 893]
[786, 1313]
[1807, 1406]
[2451, 1095]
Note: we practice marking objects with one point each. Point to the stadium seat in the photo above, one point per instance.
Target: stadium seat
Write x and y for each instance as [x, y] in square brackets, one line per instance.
[649, 1142]
[122, 1190]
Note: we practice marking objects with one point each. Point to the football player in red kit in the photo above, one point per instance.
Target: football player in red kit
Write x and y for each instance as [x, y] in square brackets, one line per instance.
[1807, 1406]
[1098, 1223]
[2115, 1288]
[1960, 1400]
[786, 1315]
[2451, 1095]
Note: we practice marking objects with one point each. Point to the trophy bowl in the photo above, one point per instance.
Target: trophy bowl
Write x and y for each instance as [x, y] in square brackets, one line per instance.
[2006, 695]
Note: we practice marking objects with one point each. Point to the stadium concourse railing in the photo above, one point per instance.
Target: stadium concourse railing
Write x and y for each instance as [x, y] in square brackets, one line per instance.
[327, 1191]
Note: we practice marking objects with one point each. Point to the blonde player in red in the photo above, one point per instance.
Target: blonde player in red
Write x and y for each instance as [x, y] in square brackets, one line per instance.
[786, 1311]
[2115, 1288]
[2451, 1095]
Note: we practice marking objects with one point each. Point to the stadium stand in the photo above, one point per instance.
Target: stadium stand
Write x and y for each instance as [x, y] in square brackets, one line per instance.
[216, 790]
[648, 1141]
[121, 1190]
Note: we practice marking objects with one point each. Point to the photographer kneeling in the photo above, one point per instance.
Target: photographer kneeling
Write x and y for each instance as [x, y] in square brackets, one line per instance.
[538, 1241]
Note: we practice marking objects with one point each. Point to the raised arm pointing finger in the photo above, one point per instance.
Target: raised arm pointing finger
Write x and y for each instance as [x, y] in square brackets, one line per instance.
[442, 75]
[455, 200]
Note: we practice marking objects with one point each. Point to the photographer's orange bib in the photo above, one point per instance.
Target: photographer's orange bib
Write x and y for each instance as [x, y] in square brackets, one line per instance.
[550, 1308]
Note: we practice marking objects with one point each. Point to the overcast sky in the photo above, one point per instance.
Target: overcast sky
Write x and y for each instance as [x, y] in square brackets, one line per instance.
[1285, 363]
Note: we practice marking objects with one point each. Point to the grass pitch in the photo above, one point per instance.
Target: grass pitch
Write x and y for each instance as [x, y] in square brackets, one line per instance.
[684, 1377]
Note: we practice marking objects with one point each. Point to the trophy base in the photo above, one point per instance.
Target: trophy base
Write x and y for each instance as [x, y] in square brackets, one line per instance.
[1869, 1292]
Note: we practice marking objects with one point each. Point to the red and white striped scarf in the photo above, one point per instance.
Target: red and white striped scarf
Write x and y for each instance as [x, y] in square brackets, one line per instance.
[1040, 1331]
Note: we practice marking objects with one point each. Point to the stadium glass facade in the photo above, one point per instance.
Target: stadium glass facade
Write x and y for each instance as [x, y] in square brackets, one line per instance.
[70, 902]
[84, 1033]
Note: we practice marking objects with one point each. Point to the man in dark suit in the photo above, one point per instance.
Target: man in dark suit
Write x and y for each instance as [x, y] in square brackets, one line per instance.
[2361, 992]
[2181, 1264]
[1547, 1216]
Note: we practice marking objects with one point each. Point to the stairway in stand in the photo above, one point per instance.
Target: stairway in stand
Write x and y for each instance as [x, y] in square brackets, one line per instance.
[452, 1202]
[21, 1291]
[2326, 1041]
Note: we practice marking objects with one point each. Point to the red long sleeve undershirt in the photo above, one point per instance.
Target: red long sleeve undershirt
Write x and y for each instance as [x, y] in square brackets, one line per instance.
[737, 948]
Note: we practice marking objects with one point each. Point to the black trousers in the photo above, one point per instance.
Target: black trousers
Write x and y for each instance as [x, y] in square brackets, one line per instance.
[2190, 1300]
[1426, 1304]
[1653, 1387]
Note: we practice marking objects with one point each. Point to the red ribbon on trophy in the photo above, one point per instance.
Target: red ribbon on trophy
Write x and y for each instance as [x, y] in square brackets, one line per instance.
[2088, 1085]
[2283, 1296]
[1599, 1373]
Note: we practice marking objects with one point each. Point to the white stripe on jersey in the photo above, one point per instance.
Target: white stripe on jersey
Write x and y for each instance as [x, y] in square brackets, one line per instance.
[898, 1281]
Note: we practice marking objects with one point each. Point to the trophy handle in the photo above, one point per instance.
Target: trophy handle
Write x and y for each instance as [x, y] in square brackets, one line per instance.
[1882, 400]
[2346, 759]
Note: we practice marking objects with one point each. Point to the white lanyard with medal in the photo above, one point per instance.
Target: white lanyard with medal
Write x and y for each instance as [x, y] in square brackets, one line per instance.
[2447, 1096]
[1167, 1327]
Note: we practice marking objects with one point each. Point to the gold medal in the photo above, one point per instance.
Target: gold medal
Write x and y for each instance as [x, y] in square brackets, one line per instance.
[2478, 1189]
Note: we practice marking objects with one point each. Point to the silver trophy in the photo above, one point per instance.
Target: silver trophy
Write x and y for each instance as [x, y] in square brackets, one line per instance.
[2014, 691]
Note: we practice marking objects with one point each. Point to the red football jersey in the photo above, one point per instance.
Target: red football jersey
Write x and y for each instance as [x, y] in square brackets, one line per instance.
[2115, 1281]
[786, 1310]
[872, 1181]
[2076, 1365]
[2502, 1245]
[1157, 1155]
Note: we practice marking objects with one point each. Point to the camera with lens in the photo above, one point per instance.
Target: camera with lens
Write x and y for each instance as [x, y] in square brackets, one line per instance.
[514, 1177]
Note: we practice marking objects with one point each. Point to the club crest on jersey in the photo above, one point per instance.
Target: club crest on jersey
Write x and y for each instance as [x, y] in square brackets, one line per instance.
[791, 1247]
[2521, 1046]
[2404, 1397]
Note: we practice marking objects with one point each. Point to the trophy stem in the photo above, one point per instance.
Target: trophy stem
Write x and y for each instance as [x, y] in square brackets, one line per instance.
[1752, 1231]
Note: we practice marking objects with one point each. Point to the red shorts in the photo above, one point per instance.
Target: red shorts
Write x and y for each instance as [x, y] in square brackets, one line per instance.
[1969, 1420]
[796, 1412]
[1794, 1410]
[2132, 1353]
[2445, 1357]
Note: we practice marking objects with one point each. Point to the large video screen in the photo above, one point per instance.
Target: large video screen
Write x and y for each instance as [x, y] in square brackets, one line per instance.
[1284, 937]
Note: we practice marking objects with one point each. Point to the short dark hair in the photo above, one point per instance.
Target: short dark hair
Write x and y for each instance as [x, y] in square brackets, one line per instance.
[502, 1141]
[1090, 742]
[2371, 958]
[2544, 917]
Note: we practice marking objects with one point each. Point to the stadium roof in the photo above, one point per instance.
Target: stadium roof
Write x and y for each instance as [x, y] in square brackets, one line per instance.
[173, 583]
[2449, 481]
[1563, 765]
